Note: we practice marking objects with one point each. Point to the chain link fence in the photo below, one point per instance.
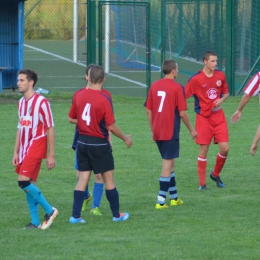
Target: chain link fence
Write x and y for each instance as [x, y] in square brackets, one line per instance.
[132, 35]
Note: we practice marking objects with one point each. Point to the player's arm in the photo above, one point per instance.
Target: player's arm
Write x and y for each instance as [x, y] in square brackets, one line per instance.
[186, 121]
[237, 115]
[50, 161]
[15, 160]
[73, 121]
[254, 145]
[118, 133]
[218, 102]
[189, 89]
[149, 117]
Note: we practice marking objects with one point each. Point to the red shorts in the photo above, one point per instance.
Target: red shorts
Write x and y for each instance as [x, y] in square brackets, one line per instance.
[30, 167]
[213, 126]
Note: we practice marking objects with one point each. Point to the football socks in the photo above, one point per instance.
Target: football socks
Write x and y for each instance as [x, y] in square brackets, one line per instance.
[36, 194]
[220, 161]
[33, 209]
[77, 203]
[173, 188]
[202, 165]
[97, 194]
[164, 187]
[113, 198]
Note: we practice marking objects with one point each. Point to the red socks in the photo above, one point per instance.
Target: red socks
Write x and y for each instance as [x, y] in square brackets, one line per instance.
[202, 165]
[220, 161]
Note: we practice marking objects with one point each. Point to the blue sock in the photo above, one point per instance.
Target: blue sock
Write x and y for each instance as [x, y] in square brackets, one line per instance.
[113, 198]
[33, 208]
[164, 186]
[97, 194]
[86, 193]
[172, 188]
[36, 195]
[77, 204]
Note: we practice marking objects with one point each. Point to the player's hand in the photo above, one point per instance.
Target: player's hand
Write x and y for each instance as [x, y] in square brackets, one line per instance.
[50, 162]
[128, 141]
[218, 102]
[236, 117]
[193, 134]
[253, 149]
[15, 160]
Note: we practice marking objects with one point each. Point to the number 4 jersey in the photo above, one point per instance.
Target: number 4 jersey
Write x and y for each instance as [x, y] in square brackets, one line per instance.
[93, 110]
[166, 99]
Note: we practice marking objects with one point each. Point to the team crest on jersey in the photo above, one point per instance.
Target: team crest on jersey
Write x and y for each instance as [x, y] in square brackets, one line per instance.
[219, 83]
[26, 121]
[212, 93]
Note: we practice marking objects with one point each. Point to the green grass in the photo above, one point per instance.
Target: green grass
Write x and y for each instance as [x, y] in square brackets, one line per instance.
[215, 224]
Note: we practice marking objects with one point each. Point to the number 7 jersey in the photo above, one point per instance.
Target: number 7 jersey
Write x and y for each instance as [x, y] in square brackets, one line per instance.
[93, 110]
[166, 98]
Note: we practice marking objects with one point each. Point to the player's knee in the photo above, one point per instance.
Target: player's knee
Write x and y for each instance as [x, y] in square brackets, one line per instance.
[224, 152]
[23, 184]
[98, 178]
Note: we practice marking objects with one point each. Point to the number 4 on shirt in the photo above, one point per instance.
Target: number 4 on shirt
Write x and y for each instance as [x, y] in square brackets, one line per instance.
[86, 114]
[163, 95]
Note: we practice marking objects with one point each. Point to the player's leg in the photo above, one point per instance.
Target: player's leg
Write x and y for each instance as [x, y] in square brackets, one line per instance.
[113, 197]
[220, 137]
[101, 158]
[88, 195]
[165, 177]
[164, 183]
[205, 135]
[220, 161]
[79, 193]
[97, 194]
[33, 209]
[29, 171]
[174, 199]
[202, 165]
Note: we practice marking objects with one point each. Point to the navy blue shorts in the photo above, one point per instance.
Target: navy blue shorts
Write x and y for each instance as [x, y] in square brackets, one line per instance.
[169, 149]
[95, 154]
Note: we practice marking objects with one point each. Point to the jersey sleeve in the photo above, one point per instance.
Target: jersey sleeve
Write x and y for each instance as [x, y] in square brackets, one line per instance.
[224, 86]
[73, 110]
[181, 100]
[46, 114]
[109, 114]
[253, 86]
[189, 88]
[148, 102]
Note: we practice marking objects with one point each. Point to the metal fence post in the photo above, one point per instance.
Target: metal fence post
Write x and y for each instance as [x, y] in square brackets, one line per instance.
[91, 32]
[230, 74]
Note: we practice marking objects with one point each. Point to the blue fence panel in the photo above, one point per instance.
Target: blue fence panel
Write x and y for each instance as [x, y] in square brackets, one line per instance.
[11, 41]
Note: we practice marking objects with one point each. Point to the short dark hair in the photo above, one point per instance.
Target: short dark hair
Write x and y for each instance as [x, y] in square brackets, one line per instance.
[168, 66]
[89, 67]
[97, 74]
[207, 54]
[30, 75]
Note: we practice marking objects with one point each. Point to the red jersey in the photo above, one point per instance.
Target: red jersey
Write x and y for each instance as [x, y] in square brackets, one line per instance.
[35, 117]
[206, 90]
[94, 111]
[165, 99]
[76, 134]
[253, 86]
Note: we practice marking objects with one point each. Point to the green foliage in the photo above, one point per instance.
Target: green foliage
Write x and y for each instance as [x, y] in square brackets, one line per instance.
[214, 224]
[53, 19]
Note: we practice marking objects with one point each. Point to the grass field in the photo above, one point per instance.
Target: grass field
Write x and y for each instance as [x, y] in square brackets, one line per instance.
[216, 224]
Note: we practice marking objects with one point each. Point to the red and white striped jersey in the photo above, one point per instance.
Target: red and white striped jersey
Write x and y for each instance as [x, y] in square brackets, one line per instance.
[35, 117]
[253, 86]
